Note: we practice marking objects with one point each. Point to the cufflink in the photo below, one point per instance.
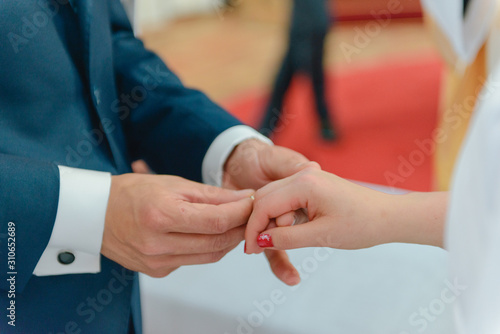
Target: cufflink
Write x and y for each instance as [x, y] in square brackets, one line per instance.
[65, 258]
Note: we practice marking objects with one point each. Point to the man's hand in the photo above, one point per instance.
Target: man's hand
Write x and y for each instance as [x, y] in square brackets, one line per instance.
[155, 224]
[253, 164]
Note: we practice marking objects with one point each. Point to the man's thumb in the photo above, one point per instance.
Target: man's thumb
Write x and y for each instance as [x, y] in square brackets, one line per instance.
[282, 162]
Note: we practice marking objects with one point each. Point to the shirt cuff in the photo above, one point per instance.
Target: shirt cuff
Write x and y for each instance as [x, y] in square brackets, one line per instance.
[221, 148]
[79, 225]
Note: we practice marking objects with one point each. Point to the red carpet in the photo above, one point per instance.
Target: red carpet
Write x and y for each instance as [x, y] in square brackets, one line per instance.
[383, 114]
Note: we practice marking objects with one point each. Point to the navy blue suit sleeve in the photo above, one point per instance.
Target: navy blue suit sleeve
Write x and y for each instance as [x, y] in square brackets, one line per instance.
[166, 124]
[29, 193]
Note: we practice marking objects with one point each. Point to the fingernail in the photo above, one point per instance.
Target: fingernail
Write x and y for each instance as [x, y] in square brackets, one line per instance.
[245, 248]
[293, 280]
[300, 164]
[265, 241]
[292, 277]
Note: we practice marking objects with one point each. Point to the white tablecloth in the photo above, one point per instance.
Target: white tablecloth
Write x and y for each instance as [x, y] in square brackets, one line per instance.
[395, 288]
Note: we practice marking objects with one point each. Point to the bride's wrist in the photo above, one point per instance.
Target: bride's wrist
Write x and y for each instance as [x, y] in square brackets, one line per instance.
[416, 218]
[386, 222]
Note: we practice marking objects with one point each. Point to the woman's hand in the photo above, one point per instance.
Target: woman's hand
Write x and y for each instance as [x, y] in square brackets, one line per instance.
[341, 215]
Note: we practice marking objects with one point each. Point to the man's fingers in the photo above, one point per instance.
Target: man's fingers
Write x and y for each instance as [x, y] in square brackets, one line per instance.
[282, 267]
[202, 193]
[212, 219]
[184, 243]
[141, 167]
[161, 265]
[292, 218]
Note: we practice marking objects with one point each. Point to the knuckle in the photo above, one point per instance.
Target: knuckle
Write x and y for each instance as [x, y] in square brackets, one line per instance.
[219, 242]
[216, 256]
[210, 192]
[258, 203]
[307, 177]
[234, 167]
[314, 164]
[257, 198]
[176, 180]
[140, 244]
[151, 217]
[219, 223]
[323, 242]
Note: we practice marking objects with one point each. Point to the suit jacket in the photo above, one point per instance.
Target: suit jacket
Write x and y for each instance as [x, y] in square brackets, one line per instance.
[78, 89]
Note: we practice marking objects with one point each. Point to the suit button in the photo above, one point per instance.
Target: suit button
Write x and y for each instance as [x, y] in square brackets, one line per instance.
[65, 258]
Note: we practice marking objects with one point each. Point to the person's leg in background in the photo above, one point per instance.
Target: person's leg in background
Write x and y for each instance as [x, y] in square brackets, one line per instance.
[274, 108]
[318, 82]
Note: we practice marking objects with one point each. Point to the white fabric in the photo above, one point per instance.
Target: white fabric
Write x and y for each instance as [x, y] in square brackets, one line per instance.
[493, 46]
[473, 228]
[79, 225]
[83, 199]
[129, 6]
[465, 35]
[389, 289]
[221, 148]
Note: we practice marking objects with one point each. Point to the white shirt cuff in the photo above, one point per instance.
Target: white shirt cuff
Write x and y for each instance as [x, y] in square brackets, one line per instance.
[79, 225]
[221, 148]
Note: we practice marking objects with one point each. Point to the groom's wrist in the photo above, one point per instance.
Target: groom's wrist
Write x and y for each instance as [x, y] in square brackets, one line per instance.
[221, 148]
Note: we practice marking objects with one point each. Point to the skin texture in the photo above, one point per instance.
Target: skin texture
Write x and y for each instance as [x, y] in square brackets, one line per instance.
[157, 223]
[342, 214]
[254, 164]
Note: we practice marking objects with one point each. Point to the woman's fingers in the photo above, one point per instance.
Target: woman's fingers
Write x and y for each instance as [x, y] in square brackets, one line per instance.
[313, 234]
[287, 219]
[280, 201]
[296, 217]
[308, 167]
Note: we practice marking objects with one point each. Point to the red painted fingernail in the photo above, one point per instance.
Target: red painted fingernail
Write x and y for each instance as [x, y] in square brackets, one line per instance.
[245, 248]
[265, 241]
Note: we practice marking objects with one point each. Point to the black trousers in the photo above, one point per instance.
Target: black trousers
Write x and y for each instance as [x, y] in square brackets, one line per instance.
[304, 55]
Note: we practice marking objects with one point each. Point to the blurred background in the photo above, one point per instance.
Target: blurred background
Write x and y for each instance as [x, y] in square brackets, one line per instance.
[382, 72]
[386, 86]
